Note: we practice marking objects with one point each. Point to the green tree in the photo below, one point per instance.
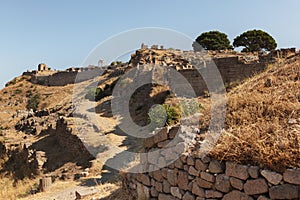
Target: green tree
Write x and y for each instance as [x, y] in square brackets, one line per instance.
[212, 40]
[255, 40]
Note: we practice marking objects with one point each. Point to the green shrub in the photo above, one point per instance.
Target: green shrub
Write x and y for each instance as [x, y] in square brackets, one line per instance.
[162, 115]
[33, 102]
[189, 107]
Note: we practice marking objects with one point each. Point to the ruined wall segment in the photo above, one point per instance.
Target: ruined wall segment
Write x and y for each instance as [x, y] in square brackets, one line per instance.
[192, 177]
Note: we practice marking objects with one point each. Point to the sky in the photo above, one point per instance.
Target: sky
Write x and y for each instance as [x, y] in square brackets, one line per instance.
[63, 33]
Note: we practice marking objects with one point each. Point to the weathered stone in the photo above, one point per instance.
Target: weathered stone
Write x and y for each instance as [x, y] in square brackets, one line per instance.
[213, 194]
[149, 142]
[153, 182]
[292, 176]
[193, 171]
[188, 196]
[153, 192]
[233, 195]
[178, 164]
[161, 135]
[286, 191]
[206, 159]
[164, 172]
[197, 190]
[222, 183]
[256, 186]
[183, 158]
[272, 177]
[185, 167]
[253, 171]
[169, 154]
[183, 180]
[152, 157]
[161, 161]
[180, 148]
[190, 161]
[142, 191]
[215, 167]
[157, 175]
[172, 177]
[163, 143]
[166, 186]
[176, 192]
[166, 197]
[207, 176]
[144, 179]
[158, 186]
[236, 170]
[261, 197]
[173, 131]
[203, 183]
[236, 183]
[199, 165]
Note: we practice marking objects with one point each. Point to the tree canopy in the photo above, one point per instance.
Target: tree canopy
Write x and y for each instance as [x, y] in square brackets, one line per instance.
[212, 40]
[255, 40]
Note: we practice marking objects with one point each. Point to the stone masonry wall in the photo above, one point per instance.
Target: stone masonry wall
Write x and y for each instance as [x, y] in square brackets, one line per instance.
[193, 178]
[62, 78]
[230, 68]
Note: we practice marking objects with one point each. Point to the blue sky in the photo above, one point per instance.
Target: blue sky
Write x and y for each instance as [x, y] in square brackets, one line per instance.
[62, 33]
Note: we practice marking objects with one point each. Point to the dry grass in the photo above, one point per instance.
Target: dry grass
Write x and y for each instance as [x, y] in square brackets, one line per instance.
[11, 191]
[257, 123]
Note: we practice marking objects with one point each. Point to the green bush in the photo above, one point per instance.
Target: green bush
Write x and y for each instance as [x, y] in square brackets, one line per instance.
[33, 102]
[189, 107]
[162, 115]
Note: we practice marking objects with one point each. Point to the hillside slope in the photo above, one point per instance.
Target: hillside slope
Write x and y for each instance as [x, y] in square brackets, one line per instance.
[263, 119]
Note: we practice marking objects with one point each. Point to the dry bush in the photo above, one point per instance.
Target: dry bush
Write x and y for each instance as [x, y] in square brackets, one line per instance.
[258, 130]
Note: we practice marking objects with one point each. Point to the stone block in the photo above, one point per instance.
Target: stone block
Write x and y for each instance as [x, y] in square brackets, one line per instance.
[207, 176]
[183, 180]
[236, 170]
[166, 197]
[200, 165]
[223, 183]
[193, 171]
[213, 194]
[142, 191]
[172, 177]
[157, 175]
[235, 195]
[286, 191]
[197, 190]
[256, 186]
[292, 176]
[188, 196]
[253, 171]
[215, 167]
[175, 191]
[236, 183]
[272, 177]
[203, 183]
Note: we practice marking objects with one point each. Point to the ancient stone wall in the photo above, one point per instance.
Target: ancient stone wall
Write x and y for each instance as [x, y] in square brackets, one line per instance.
[230, 68]
[193, 178]
[61, 78]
